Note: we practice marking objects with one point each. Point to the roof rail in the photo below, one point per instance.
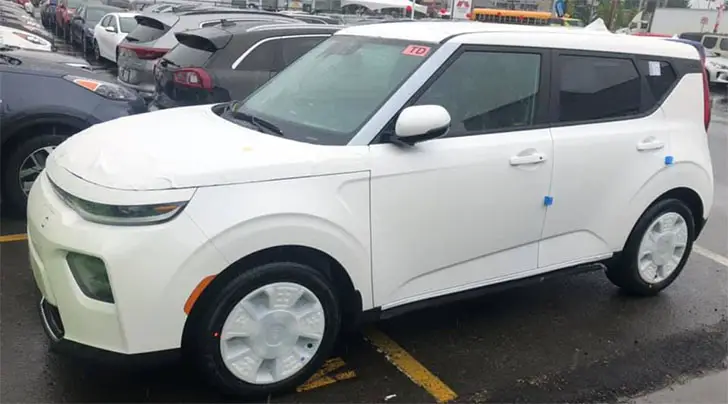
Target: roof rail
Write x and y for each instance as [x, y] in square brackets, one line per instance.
[213, 10]
[269, 27]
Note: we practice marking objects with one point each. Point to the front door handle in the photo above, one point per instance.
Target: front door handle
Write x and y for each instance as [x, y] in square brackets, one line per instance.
[533, 158]
[650, 144]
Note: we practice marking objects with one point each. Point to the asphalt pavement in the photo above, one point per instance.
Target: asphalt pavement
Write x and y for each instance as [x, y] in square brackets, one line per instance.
[569, 339]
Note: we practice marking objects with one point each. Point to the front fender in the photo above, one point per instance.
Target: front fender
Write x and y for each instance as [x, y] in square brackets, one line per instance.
[328, 213]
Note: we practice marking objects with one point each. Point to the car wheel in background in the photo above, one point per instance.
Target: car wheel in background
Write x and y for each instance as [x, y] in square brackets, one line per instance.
[84, 44]
[263, 330]
[23, 165]
[97, 51]
[656, 250]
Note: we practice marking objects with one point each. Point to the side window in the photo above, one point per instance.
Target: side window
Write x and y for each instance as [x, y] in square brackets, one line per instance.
[105, 21]
[710, 41]
[660, 76]
[114, 24]
[723, 44]
[486, 91]
[597, 88]
[294, 48]
[262, 58]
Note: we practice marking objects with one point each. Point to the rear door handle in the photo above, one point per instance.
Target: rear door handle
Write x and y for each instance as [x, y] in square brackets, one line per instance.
[650, 144]
[533, 158]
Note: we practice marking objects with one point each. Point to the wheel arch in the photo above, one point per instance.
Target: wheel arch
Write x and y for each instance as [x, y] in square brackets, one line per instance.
[349, 297]
[13, 132]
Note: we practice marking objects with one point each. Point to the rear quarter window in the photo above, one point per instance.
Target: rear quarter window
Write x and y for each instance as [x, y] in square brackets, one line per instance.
[723, 44]
[660, 77]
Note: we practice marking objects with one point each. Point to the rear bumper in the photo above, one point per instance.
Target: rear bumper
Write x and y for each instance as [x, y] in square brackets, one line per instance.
[53, 327]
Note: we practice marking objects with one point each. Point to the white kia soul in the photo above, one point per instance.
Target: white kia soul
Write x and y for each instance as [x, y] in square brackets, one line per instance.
[392, 165]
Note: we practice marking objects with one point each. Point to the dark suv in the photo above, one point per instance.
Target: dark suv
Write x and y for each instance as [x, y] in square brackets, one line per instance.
[230, 61]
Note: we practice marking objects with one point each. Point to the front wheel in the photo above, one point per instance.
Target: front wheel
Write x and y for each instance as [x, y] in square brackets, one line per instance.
[23, 166]
[97, 51]
[657, 249]
[266, 331]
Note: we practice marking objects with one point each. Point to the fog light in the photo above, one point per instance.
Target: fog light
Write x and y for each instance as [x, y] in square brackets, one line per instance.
[90, 275]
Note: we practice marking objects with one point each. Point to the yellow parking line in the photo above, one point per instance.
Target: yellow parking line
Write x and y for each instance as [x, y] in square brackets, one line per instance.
[323, 376]
[13, 237]
[410, 366]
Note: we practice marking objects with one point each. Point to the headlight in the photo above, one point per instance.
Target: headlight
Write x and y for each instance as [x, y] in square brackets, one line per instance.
[103, 88]
[30, 38]
[121, 215]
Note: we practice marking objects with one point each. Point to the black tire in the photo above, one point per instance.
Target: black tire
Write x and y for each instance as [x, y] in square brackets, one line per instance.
[97, 52]
[13, 195]
[84, 44]
[623, 271]
[203, 346]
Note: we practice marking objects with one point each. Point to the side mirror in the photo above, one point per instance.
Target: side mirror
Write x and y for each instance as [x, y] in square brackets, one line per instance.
[419, 123]
[110, 29]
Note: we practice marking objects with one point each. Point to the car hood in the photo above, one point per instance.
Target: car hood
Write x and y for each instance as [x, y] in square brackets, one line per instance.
[718, 59]
[192, 147]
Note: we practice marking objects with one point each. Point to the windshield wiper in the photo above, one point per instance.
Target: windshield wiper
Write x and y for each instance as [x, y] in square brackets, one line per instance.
[260, 123]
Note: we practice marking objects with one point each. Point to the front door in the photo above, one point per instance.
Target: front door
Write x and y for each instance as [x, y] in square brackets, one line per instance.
[466, 209]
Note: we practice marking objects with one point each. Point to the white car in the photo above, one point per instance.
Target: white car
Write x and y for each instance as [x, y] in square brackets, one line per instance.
[110, 31]
[23, 39]
[717, 67]
[462, 156]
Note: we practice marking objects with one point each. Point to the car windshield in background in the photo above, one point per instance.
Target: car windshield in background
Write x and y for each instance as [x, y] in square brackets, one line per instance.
[328, 94]
[127, 24]
[95, 14]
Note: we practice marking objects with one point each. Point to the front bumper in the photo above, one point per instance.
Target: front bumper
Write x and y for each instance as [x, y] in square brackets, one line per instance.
[53, 327]
[719, 76]
[151, 269]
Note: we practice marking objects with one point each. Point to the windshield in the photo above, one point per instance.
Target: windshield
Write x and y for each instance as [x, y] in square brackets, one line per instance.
[328, 94]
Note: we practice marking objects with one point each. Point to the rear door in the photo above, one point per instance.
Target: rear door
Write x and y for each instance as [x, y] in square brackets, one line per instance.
[609, 139]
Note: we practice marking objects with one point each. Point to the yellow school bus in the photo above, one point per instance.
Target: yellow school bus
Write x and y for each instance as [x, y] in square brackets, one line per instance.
[522, 17]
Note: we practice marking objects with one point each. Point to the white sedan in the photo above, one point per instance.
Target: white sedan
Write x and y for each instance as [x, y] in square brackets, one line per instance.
[717, 68]
[111, 30]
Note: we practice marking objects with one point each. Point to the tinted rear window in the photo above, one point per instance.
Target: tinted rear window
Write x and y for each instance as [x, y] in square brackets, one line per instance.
[147, 29]
[185, 56]
[724, 44]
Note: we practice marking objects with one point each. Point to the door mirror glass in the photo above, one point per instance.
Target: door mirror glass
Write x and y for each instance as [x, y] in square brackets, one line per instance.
[110, 28]
[421, 122]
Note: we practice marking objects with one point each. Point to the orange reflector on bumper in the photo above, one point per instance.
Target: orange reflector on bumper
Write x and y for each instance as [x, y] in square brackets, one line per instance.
[197, 292]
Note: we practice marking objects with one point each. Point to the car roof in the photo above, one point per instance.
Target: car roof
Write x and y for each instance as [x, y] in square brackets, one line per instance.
[473, 32]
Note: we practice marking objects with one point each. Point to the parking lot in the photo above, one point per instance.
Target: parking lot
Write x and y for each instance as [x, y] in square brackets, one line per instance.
[566, 339]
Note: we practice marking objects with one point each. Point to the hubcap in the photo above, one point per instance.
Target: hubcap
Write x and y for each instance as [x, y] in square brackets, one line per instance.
[31, 167]
[272, 333]
[662, 248]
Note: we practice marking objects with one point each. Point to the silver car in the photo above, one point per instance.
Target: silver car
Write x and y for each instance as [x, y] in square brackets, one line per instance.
[154, 36]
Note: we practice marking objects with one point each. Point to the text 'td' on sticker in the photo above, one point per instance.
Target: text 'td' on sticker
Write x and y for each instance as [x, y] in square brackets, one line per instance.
[416, 50]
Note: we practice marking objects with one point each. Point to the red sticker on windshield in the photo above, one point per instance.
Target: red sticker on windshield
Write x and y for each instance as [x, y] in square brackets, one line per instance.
[416, 50]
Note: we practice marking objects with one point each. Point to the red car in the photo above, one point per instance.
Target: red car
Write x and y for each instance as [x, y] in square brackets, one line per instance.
[64, 13]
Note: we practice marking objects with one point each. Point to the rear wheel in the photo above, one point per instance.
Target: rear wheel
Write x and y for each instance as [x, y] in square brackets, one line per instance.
[265, 331]
[656, 250]
[24, 162]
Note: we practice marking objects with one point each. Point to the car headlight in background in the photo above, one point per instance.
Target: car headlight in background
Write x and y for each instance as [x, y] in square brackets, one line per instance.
[717, 65]
[31, 38]
[103, 88]
[121, 215]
